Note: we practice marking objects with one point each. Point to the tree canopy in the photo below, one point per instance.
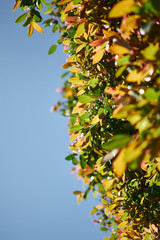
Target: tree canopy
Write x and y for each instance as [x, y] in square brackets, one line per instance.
[112, 98]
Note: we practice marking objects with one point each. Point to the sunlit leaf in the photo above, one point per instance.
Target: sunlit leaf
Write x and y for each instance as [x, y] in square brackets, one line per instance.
[122, 8]
[37, 27]
[16, 5]
[117, 141]
[21, 18]
[98, 56]
[52, 49]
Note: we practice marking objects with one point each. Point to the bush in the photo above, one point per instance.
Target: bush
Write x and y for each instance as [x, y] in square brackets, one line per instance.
[112, 98]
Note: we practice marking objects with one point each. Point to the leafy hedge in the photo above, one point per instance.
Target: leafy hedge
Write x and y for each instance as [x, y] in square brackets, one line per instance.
[112, 98]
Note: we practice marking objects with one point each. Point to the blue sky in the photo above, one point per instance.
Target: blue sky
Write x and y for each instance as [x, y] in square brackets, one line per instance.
[36, 200]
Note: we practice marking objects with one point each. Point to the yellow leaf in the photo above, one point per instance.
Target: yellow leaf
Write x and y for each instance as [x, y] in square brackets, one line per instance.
[70, 7]
[139, 76]
[79, 198]
[108, 183]
[122, 224]
[30, 30]
[78, 108]
[80, 92]
[95, 120]
[37, 27]
[79, 48]
[119, 165]
[112, 206]
[73, 136]
[98, 56]
[119, 50]
[129, 24]
[76, 81]
[16, 5]
[122, 8]
[80, 30]
[63, 2]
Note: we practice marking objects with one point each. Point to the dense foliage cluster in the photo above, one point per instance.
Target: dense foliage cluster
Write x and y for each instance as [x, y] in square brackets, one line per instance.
[112, 98]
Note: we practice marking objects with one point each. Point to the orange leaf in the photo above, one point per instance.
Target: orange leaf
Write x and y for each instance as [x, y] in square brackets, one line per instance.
[30, 30]
[37, 27]
[100, 206]
[16, 5]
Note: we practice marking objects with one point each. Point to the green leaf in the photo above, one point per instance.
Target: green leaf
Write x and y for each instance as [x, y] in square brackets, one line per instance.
[75, 2]
[27, 22]
[21, 18]
[117, 141]
[54, 28]
[85, 99]
[74, 161]
[151, 94]
[48, 11]
[124, 60]
[69, 157]
[82, 162]
[52, 49]
[76, 128]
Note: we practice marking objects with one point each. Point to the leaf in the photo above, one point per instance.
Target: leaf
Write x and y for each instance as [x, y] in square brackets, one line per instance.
[16, 5]
[76, 1]
[124, 60]
[95, 120]
[100, 206]
[69, 157]
[52, 49]
[79, 198]
[97, 42]
[151, 94]
[119, 49]
[77, 192]
[75, 128]
[21, 18]
[48, 11]
[37, 27]
[85, 99]
[30, 30]
[139, 76]
[122, 8]
[82, 162]
[98, 56]
[79, 48]
[151, 51]
[108, 183]
[117, 141]
[63, 2]
[80, 30]
[119, 165]
[73, 136]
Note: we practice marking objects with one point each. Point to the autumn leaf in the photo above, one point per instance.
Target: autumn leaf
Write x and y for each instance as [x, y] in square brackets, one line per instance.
[37, 27]
[122, 8]
[98, 56]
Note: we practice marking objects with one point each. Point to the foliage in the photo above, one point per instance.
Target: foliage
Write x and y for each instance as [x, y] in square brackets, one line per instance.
[112, 98]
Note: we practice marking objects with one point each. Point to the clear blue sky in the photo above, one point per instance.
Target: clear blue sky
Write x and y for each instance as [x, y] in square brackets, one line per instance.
[36, 200]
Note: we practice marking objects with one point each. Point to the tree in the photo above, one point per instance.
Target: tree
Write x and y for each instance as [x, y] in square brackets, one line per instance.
[112, 98]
